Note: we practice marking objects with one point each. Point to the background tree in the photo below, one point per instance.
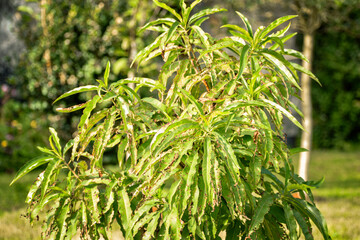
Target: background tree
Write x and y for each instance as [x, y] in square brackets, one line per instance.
[68, 44]
[336, 63]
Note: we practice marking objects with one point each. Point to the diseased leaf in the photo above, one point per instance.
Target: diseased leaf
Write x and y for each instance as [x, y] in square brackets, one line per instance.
[189, 180]
[53, 164]
[72, 108]
[151, 227]
[34, 188]
[124, 209]
[262, 208]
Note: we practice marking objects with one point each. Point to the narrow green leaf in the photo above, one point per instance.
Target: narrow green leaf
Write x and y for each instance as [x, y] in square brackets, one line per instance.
[311, 211]
[77, 90]
[297, 150]
[87, 111]
[246, 22]
[304, 70]
[110, 195]
[241, 33]
[243, 60]
[124, 208]
[196, 103]
[72, 108]
[255, 165]
[171, 31]
[151, 227]
[61, 219]
[121, 152]
[204, 13]
[167, 21]
[282, 64]
[53, 164]
[290, 221]
[189, 180]
[106, 74]
[72, 226]
[143, 221]
[158, 105]
[206, 169]
[294, 53]
[231, 162]
[99, 149]
[147, 50]
[275, 24]
[34, 188]
[46, 150]
[94, 207]
[83, 214]
[223, 43]
[283, 111]
[304, 224]
[202, 35]
[261, 210]
[143, 209]
[180, 125]
[31, 165]
[268, 134]
[166, 7]
[56, 139]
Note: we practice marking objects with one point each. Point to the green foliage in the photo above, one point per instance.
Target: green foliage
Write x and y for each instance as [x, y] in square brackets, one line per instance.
[19, 131]
[206, 156]
[70, 50]
[337, 104]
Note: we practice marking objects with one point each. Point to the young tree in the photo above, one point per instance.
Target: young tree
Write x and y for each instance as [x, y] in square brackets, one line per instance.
[207, 155]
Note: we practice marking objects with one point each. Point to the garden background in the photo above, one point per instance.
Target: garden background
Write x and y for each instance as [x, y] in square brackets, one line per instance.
[49, 47]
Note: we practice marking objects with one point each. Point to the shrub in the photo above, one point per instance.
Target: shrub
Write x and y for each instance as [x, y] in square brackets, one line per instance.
[206, 155]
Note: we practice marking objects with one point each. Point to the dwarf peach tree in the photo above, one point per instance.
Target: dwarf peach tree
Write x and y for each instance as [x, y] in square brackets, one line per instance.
[205, 155]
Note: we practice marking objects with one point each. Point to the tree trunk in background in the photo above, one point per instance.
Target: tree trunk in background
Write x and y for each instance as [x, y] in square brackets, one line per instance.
[47, 53]
[306, 136]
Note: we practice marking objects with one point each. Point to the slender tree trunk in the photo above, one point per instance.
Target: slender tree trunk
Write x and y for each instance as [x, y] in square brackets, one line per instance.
[306, 137]
[47, 53]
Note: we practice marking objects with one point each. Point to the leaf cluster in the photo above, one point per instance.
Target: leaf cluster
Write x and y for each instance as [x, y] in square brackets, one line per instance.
[206, 155]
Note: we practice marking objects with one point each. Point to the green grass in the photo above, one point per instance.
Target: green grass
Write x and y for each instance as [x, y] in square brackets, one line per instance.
[338, 198]
[12, 206]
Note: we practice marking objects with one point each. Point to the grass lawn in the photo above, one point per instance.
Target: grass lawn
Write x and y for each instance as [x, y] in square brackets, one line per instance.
[338, 198]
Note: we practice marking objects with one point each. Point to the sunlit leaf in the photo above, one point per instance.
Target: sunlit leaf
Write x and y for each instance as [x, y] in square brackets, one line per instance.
[31, 165]
[77, 90]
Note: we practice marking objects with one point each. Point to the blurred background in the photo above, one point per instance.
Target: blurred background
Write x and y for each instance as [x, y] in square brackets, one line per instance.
[48, 47]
